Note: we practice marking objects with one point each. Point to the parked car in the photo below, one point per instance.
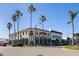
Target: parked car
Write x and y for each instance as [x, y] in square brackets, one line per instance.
[2, 43]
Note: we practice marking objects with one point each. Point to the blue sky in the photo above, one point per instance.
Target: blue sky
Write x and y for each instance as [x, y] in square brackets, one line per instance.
[56, 17]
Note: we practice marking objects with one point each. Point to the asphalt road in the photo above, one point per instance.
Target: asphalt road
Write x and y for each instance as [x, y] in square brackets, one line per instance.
[37, 51]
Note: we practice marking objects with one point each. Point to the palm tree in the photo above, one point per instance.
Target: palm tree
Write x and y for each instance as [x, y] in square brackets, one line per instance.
[76, 35]
[9, 26]
[31, 9]
[14, 20]
[42, 20]
[18, 14]
[72, 15]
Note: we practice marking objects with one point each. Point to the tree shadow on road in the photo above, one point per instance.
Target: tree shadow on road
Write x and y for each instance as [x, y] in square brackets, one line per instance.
[1, 54]
[40, 55]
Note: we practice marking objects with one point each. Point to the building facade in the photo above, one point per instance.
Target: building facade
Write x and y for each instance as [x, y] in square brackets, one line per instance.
[37, 36]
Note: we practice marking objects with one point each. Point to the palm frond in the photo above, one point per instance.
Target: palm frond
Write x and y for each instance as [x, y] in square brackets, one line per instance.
[69, 22]
[39, 22]
[73, 14]
[9, 25]
[31, 8]
[14, 18]
[43, 18]
[18, 13]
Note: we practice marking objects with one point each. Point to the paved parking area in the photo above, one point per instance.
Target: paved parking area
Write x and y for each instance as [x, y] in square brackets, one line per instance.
[37, 51]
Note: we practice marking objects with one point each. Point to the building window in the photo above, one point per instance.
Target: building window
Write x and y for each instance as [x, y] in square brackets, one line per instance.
[36, 32]
[23, 33]
[48, 34]
[31, 33]
[43, 33]
[26, 32]
[12, 37]
[20, 35]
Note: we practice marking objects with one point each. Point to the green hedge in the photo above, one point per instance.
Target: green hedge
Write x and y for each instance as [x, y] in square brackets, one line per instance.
[10, 42]
[20, 41]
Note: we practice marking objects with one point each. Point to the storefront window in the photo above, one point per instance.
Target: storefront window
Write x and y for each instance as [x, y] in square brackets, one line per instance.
[31, 33]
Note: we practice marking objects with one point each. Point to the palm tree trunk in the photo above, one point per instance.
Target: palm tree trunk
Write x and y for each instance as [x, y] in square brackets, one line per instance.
[31, 20]
[18, 29]
[76, 40]
[35, 35]
[72, 33]
[43, 31]
[42, 26]
[30, 26]
[39, 42]
[9, 34]
[14, 33]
